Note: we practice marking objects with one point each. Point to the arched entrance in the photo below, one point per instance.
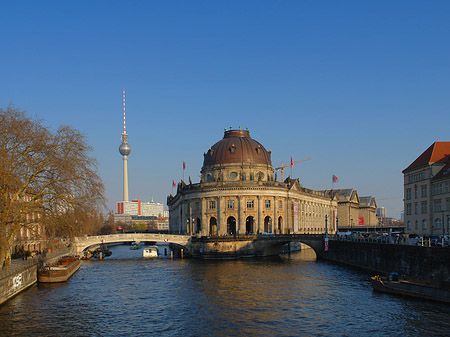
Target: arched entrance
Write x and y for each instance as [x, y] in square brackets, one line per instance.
[198, 226]
[213, 226]
[280, 224]
[249, 225]
[231, 225]
[268, 224]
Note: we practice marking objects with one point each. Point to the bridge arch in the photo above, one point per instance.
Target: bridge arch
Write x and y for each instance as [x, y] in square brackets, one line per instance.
[273, 244]
[82, 243]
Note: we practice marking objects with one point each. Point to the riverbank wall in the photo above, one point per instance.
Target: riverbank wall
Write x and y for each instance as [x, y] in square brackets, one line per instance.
[430, 263]
[22, 274]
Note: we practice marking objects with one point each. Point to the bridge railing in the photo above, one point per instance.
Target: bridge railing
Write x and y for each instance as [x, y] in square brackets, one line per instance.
[129, 236]
[389, 240]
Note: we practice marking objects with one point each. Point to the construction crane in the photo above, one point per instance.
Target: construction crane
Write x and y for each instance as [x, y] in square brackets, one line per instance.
[389, 198]
[281, 168]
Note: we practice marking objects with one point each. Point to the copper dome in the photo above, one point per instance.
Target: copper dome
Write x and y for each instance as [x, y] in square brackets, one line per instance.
[237, 147]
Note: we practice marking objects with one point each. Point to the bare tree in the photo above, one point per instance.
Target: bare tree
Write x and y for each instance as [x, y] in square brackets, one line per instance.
[46, 177]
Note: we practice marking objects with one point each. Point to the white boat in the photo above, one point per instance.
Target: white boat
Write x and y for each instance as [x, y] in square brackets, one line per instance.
[135, 245]
[150, 251]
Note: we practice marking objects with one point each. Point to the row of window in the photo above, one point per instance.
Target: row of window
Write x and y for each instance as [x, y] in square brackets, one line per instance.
[440, 188]
[437, 207]
[437, 224]
[423, 194]
[415, 177]
[231, 204]
[242, 176]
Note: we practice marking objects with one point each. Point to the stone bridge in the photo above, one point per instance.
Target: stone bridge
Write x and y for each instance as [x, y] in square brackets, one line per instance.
[84, 242]
[252, 245]
[211, 246]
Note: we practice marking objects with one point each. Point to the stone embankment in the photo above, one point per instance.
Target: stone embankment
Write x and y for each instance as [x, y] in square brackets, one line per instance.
[22, 274]
[428, 263]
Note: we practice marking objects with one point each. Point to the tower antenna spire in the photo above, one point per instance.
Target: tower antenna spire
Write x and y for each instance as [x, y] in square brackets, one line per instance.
[124, 127]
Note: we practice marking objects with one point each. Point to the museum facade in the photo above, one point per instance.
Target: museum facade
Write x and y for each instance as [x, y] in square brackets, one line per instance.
[239, 195]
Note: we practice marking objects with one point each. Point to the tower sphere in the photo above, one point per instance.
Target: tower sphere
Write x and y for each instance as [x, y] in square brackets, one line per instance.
[125, 149]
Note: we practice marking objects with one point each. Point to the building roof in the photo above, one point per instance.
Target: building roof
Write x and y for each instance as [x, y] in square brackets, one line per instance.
[344, 194]
[367, 201]
[237, 147]
[437, 152]
[444, 172]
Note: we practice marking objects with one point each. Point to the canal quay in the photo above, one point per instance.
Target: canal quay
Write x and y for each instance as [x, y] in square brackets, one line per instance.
[287, 295]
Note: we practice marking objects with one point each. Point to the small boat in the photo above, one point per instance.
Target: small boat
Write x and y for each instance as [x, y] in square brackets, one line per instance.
[59, 272]
[135, 245]
[101, 252]
[150, 251]
[428, 290]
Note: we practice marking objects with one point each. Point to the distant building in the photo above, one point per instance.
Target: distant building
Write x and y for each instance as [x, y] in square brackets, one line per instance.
[354, 212]
[427, 191]
[136, 207]
[139, 215]
[31, 236]
[381, 212]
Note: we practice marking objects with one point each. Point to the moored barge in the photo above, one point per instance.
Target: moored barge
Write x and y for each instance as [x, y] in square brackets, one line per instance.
[427, 290]
[59, 272]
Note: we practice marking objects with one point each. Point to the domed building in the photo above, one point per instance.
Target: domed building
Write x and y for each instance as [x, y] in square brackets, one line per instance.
[239, 195]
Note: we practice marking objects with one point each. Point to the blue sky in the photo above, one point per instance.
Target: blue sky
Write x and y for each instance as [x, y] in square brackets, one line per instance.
[361, 87]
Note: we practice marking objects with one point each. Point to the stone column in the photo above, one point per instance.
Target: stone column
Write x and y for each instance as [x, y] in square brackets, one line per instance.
[288, 216]
[222, 228]
[190, 230]
[275, 220]
[241, 217]
[183, 217]
[205, 224]
[259, 214]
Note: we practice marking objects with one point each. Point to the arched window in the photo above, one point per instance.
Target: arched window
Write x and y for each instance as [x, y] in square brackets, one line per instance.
[438, 223]
[249, 225]
[268, 224]
[231, 225]
[213, 226]
[424, 224]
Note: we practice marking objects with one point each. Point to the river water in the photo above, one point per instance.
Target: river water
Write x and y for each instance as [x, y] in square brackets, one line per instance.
[126, 295]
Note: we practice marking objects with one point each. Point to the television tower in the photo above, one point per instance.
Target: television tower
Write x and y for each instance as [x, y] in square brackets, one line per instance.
[125, 150]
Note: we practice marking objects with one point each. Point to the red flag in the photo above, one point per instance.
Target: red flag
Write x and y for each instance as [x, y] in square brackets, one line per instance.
[335, 179]
[184, 165]
[174, 183]
[292, 162]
